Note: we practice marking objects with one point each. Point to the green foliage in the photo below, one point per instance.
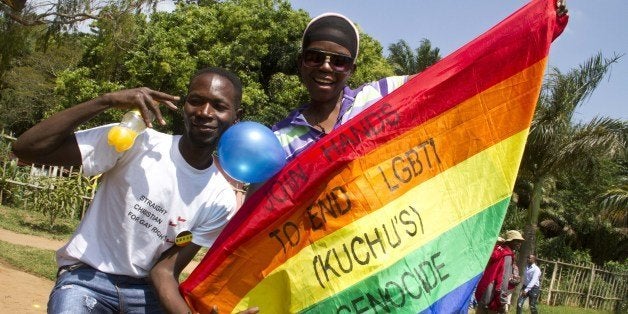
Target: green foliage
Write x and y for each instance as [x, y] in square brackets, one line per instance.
[617, 266]
[28, 221]
[285, 93]
[613, 199]
[58, 17]
[254, 39]
[9, 170]
[113, 39]
[371, 64]
[76, 86]
[6, 169]
[557, 248]
[27, 87]
[574, 219]
[515, 216]
[61, 196]
[406, 61]
[15, 43]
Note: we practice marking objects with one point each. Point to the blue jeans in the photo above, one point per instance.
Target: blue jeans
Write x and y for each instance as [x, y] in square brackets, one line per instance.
[87, 290]
[533, 294]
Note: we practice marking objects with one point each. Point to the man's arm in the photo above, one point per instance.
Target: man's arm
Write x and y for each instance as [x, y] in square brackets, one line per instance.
[165, 277]
[503, 290]
[52, 141]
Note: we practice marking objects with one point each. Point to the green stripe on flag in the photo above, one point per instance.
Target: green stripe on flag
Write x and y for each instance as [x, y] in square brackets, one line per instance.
[429, 273]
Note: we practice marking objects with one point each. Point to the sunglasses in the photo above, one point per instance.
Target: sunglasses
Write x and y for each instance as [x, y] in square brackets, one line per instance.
[313, 58]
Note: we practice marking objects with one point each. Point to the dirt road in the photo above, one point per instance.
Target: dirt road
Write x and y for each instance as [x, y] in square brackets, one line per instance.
[22, 292]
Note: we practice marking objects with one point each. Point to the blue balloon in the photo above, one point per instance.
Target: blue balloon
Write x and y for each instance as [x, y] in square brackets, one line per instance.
[250, 152]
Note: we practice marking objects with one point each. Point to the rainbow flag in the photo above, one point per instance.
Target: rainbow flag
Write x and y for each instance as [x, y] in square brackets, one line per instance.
[398, 210]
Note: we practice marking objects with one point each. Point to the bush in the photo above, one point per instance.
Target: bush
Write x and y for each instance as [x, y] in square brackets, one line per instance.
[61, 196]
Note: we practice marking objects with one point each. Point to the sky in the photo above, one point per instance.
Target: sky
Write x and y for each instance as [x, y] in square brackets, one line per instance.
[594, 26]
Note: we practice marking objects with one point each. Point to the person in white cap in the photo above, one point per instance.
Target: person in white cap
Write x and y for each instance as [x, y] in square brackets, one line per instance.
[329, 51]
[492, 292]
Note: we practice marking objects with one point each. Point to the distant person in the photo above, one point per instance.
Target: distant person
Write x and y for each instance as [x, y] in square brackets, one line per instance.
[492, 290]
[165, 189]
[531, 286]
[514, 279]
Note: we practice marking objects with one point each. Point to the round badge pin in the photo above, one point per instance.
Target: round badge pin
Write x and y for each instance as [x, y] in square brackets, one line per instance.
[183, 238]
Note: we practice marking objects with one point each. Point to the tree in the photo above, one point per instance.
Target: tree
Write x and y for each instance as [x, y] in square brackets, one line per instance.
[371, 65]
[405, 61]
[254, 39]
[574, 224]
[66, 14]
[112, 40]
[557, 146]
[614, 200]
[27, 88]
[14, 43]
[258, 40]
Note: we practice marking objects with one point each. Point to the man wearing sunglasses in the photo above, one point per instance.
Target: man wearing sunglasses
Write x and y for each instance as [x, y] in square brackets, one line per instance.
[328, 57]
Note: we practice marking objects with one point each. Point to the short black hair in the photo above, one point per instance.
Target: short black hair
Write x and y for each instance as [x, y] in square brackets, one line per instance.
[224, 73]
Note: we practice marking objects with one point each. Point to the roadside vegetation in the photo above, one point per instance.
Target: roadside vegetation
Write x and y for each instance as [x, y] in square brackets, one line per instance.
[28, 259]
[31, 222]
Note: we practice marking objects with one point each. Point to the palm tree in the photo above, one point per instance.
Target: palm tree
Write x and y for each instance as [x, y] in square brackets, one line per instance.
[614, 203]
[405, 61]
[558, 146]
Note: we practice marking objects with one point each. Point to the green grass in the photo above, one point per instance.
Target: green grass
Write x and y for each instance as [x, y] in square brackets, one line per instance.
[546, 309]
[201, 253]
[35, 223]
[34, 261]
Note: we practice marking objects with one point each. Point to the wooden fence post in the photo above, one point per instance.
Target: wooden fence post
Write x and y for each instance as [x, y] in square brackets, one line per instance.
[551, 286]
[4, 175]
[586, 303]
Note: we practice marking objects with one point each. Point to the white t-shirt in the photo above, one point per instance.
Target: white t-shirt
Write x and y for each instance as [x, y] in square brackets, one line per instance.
[147, 196]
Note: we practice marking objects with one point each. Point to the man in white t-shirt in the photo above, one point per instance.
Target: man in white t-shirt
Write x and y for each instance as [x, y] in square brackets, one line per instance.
[156, 205]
